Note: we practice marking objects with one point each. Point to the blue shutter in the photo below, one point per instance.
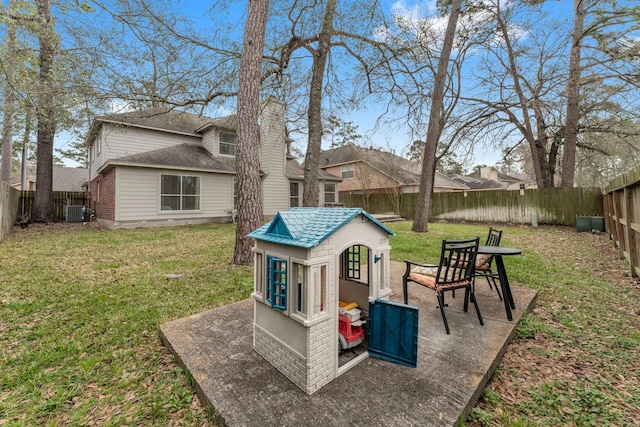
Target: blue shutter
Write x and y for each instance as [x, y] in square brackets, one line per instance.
[393, 332]
[277, 282]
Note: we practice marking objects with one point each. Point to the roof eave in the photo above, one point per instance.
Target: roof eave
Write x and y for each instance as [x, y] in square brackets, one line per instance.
[111, 164]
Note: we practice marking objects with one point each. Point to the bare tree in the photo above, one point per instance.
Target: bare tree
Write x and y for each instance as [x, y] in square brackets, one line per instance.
[248, 148]
[436, 125]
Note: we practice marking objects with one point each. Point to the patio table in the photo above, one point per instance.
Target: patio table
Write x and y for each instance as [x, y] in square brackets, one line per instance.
[498, 252]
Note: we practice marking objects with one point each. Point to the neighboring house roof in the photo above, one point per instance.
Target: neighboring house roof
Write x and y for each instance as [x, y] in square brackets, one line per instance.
[66, 179]
[183, 156]
[493, 180]
[394, 166]
[308, 227]
[504, 178]
[294, 171]
[479, 184]
[404, 171]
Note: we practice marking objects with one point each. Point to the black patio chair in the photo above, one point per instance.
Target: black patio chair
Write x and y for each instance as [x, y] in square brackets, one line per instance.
[454, 271]
[484, 261]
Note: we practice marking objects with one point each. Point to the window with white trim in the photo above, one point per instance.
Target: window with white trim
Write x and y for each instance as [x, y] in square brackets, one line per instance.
[258, 286]
[329, 192]
[294, 195]
[179, 192]
[277, 282]
[228, 143]
[299, 292]
[347, 171]
[319, 286]
[350, 262]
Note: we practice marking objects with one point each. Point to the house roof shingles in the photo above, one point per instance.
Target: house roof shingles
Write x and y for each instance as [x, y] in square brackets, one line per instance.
[168, 120]
[186, 155]
[182, 156]
[66, 179]
[399, 168]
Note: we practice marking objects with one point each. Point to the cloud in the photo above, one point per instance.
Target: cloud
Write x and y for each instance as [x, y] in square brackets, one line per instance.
[417, 11]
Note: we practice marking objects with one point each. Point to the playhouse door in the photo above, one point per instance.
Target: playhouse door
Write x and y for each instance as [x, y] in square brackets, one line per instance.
[393, 332]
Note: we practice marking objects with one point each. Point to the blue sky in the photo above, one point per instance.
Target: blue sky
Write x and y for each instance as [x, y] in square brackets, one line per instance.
[396, 138]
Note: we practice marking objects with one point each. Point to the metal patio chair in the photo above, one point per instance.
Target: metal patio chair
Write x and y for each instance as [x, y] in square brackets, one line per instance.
[454, 271]
[485, 261]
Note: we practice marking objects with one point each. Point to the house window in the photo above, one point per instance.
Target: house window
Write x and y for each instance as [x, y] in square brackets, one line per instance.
[347, 171]
[179, 193]
[294, 195]
[235, 193]
[228, 143]
[95, 148]
[277, 282]
[329, 192]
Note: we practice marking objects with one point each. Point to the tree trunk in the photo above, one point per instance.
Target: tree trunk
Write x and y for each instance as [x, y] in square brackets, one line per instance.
[310, 196]
[9, 100]
[436, 123]
[573, 98]
[248, 192]
[43, 200]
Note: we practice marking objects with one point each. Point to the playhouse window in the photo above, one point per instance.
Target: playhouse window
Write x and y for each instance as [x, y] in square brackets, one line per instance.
[350, 262]
[277, 282]
[383, 261]
[300, 297]
[319, 274]
[259, 275]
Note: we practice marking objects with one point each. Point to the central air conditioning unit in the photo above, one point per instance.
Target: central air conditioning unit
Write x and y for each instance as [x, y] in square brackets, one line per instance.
[74, 213]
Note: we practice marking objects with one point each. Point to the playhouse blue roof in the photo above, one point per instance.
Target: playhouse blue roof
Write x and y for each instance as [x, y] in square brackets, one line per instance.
[308, 227]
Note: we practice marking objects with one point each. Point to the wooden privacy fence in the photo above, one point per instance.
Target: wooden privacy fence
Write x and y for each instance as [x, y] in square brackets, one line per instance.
[61, 199]
[556, 206]
[622, 216]
[8, 208]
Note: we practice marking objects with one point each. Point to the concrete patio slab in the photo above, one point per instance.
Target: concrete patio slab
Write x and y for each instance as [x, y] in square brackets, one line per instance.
[242, 389]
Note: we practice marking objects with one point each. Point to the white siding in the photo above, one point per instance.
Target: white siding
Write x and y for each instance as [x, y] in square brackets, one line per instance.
[210, 141]
[120, 141]
[138, 196]
[275, 186]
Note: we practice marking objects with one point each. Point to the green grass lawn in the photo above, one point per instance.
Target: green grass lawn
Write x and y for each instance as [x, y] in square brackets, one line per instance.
[80, 309]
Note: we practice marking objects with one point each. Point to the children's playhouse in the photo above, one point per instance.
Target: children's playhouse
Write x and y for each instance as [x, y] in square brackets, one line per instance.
[321, 295]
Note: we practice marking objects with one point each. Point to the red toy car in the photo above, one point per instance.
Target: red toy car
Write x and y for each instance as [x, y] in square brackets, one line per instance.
[350, 334]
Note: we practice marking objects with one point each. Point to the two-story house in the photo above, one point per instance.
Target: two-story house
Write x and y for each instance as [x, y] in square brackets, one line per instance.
[373, 171]
[159, 167]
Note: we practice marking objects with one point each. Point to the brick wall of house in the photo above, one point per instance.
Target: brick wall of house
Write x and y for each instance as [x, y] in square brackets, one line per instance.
[104, 197]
